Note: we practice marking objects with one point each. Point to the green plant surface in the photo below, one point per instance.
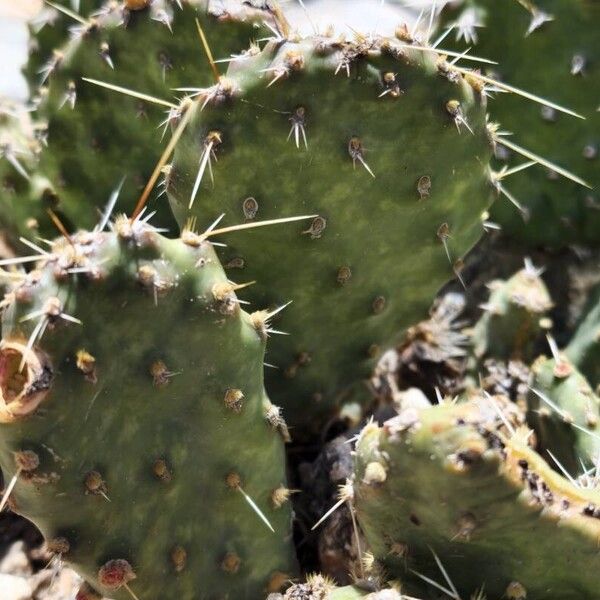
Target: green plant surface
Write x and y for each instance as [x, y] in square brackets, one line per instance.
[452, 484]
[387, 149]
[136, 423]
[549, 48]
[97, 136]
[564, 411]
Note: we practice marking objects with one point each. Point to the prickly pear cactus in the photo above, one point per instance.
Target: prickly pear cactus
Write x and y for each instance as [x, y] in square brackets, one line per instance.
[564, 411]
[550, 48]
[584, 348]
[146, 47]
[49, 30]
[134, 419]
[513, 316]
[386, 147]
[24, 194]
[449, 486]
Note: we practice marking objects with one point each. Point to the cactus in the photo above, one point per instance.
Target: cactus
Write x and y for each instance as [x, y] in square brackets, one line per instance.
[21, 187]
[550, 48]
[584, 347]
[513, 316]
[134, 421]
[138, 45]
[455, 485]
[387, 148]
[564, 412]
[49, 30]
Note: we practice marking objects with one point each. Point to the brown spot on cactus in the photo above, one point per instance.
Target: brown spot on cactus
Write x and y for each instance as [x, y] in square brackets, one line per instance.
[357, 153]
[343, 275]
[231, 563]
[233, 481]
[235, 263]
[115, 574]
[424, 187]
[25, 380]
[378, 305]
[147, 275]
[515, 591]
[58, 545]
[390, 85]
[317, 227]
[259, 322]
[161, 470]
[234, 400]
[399, 549]
[160, 373]
[27, 460]
[179, 558]
[86, 363]
[94, 483]
[250, 207]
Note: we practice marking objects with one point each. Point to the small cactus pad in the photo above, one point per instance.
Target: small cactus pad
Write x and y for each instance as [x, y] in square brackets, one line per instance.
[565, 413]
[134, 419]
[513, 316]
[550, 48]
[452, 485]
[584, 347]
[386, 147]
[150, 50]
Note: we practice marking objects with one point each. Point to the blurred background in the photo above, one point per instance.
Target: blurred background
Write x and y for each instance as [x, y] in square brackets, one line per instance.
[13, 44]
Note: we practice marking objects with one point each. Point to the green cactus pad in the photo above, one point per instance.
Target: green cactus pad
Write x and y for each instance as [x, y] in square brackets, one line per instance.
[25, 195]
[584, 348]
[513, 315]
[386, 147]
[565, 413]
[550, 48]
[97, 136]
[138, 427]
[449, 484]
